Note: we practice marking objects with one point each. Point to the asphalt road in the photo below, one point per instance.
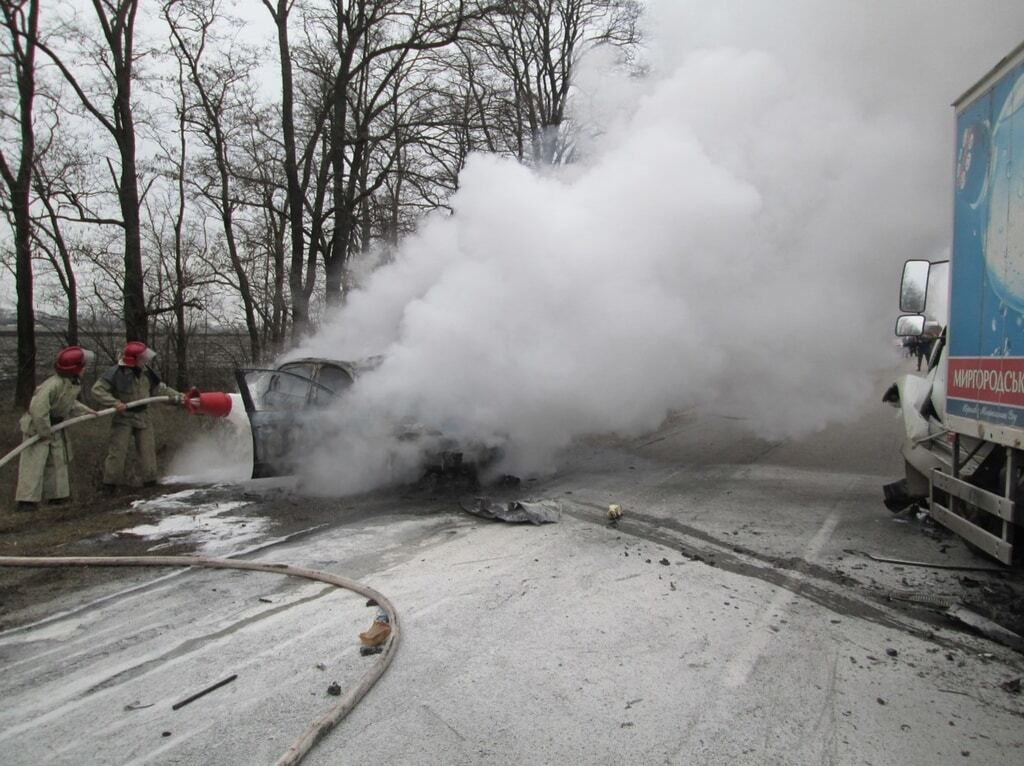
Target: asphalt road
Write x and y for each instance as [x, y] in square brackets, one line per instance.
[723, 620]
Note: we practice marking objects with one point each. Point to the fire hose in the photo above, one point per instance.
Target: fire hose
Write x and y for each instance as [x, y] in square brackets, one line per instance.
[211, 403]
[219, 405]
[298, 749]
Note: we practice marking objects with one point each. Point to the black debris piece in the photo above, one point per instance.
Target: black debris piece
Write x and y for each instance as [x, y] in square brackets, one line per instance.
[1012, 686]
[664, 562]
[372, 602]
[204, 692]
[366, 651]
[891, 652]
[516, 511]
[334, 689]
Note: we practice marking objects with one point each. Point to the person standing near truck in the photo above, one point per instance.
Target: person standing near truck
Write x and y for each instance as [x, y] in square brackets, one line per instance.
[922, 349]
[130, 380]
[43, 466]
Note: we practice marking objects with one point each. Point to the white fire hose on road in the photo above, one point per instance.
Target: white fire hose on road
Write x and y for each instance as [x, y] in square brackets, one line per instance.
[348, 701]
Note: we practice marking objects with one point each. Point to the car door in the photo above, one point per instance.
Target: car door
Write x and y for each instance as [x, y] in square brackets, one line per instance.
[277, 403]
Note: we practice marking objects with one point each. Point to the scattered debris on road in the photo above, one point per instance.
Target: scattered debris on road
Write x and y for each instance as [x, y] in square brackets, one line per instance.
[378, 632]
[517, 511]
[1012, 686]
[986, 627]
[334, 689]
[926, 564]
[614, 512]
[137, 706]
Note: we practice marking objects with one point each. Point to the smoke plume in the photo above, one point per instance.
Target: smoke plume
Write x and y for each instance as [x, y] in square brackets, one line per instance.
[733, 239]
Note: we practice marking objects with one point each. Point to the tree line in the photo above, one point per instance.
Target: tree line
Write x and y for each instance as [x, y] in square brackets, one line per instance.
[167, 164]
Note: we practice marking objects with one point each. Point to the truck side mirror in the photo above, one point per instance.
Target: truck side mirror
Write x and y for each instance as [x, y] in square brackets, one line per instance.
[914, 287]
[911, 325]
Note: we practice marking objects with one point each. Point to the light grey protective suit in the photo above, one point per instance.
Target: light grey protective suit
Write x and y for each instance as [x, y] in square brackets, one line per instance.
[43, 467]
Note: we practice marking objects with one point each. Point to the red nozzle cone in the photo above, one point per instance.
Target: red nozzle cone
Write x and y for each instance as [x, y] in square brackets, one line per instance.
[212, 403]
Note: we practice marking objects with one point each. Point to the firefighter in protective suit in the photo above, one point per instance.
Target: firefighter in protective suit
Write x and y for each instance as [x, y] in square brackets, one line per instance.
[128, 381]
[43, 467]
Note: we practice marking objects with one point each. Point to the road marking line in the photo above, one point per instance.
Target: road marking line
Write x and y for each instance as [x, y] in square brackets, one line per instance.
[739, 668]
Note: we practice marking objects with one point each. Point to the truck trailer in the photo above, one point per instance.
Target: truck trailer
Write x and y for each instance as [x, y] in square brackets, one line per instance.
[964, 420]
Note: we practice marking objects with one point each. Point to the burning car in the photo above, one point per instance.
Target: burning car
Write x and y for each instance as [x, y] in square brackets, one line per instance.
[285, 406]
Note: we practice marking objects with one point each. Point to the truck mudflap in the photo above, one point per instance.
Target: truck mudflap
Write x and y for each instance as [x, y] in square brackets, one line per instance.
[983, 510]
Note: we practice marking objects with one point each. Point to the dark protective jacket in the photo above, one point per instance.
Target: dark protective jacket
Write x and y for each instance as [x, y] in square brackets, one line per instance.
[129, 384]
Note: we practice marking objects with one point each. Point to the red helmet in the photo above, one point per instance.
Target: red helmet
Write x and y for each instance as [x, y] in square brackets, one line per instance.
[136, 354]
[72, 360]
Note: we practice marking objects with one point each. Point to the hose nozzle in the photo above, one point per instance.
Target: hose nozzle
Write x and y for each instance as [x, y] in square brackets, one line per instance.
[216, 404]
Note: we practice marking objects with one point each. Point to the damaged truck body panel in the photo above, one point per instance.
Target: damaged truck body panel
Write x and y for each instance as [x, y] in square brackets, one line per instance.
[964, 421]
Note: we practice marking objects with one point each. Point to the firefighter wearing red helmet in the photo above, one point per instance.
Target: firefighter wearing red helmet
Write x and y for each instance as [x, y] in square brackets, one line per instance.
[43, 466]
[130, 380]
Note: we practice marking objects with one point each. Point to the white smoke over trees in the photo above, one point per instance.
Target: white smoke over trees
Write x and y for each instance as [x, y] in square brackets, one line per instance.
[734, 239]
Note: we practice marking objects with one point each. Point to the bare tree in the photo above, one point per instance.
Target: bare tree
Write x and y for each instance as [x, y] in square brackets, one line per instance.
[536, 46]
[21, 20]
[302, 269]
[373, 43]
[113, 57]
[221, 86]
[265, 234]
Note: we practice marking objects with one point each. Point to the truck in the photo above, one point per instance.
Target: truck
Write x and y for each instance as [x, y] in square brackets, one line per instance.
[964, 419]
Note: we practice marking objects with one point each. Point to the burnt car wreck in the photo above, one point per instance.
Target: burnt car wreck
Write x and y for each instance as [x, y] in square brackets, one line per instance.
[285, 406]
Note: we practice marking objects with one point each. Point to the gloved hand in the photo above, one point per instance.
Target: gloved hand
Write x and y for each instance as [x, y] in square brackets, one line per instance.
[178, 399]
[121, 408]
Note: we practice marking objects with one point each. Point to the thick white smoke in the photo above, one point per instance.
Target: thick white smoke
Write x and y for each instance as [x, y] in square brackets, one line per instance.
[734, 239]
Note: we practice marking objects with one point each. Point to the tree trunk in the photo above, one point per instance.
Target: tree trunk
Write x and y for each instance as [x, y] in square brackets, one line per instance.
[26, 381]
[298, 290]
[181, 371]
[135, 315]
[335, 260]
[19, 183]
